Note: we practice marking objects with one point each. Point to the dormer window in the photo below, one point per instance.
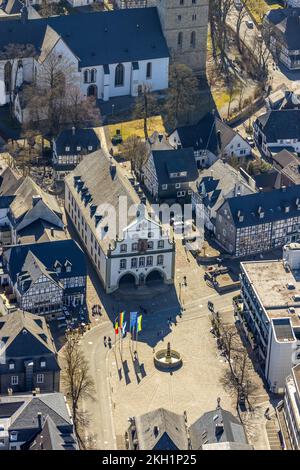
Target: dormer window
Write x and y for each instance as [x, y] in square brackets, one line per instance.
[14, 435]
[68, 266]
[43, 363]
[78, 148]
[11, 365]
[90, 147]
[67, 148]
[287, 209]
[57, 267]
[261, 212]
[240, 216]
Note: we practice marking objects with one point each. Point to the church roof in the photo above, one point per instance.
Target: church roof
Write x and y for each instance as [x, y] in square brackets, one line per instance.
[98, 38]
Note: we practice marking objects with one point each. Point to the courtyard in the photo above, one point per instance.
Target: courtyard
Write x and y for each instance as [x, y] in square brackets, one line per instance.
[129, 384]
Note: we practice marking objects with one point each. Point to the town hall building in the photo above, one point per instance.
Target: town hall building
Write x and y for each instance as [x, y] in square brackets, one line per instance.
[140, 252]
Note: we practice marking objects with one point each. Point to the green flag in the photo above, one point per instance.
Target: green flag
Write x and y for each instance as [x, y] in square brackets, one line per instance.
[139, 323]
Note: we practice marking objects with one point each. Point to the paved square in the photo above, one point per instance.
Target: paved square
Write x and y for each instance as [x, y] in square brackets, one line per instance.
[138, 387]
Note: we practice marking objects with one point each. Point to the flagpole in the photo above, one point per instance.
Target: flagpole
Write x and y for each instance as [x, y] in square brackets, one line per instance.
[137, 334]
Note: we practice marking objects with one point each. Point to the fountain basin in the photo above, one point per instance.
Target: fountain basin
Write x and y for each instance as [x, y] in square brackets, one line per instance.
[167, 359]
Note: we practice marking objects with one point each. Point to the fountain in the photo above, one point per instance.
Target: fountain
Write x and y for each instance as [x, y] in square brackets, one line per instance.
[167, 359]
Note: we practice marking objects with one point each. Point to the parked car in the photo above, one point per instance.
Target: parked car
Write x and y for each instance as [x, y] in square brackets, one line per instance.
[250, 141]
[250, 24]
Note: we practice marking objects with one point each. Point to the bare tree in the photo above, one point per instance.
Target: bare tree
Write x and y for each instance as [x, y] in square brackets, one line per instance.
[261, 55]
[81, 111]
[237, 378]
[48, 8]
[54, 101]
[145, 107]
[77, 382]
[241, 15]
[46, 96]
[182, 95]
[24, 153]
[137, 151]
[218, 15]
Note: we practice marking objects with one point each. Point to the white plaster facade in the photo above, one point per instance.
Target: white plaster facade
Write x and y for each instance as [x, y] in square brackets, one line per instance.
[143, 249]
[100, 83]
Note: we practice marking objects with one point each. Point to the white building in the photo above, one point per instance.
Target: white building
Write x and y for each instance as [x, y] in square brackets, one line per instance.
[125, 245]
[116, 53]
[277, 130]
[210, 138]
[270, 315]
[216, 184]
[291, 407]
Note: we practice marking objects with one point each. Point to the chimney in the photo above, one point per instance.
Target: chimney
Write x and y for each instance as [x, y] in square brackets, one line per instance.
[283, 188]
[39, 418]
[219, 139]
[52, 231]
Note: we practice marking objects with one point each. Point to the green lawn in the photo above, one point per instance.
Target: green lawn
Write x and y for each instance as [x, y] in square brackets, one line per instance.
[136, 127]
[260, 7]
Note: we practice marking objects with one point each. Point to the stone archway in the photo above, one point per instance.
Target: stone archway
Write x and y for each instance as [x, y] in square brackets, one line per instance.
[127, 280]
[155, 276]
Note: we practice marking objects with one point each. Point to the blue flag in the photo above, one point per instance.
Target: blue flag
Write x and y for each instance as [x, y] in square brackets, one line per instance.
[133, 320]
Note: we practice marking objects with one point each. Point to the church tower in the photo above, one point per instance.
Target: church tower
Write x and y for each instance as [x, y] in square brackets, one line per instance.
[185, 24]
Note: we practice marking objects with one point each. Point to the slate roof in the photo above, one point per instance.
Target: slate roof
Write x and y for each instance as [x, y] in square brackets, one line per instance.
[268, 180]
[288, 165]
[204, 134]
[286, 20]
[22, 202]
[283, 158]
[40, 231]
[51, 438]
[79, 137]
[23, 412]
[13, 7]
[280, 124]
[37, 341]
[9, 182]
[95, 178]
[173, 161]
[206, 429]
[161, 430]
[46, 254]
[273, 203]
[217, 182]
[110, 37]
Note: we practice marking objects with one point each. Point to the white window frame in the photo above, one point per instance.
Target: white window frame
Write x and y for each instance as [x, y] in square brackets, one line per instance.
[14, 380]
[40, 378]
